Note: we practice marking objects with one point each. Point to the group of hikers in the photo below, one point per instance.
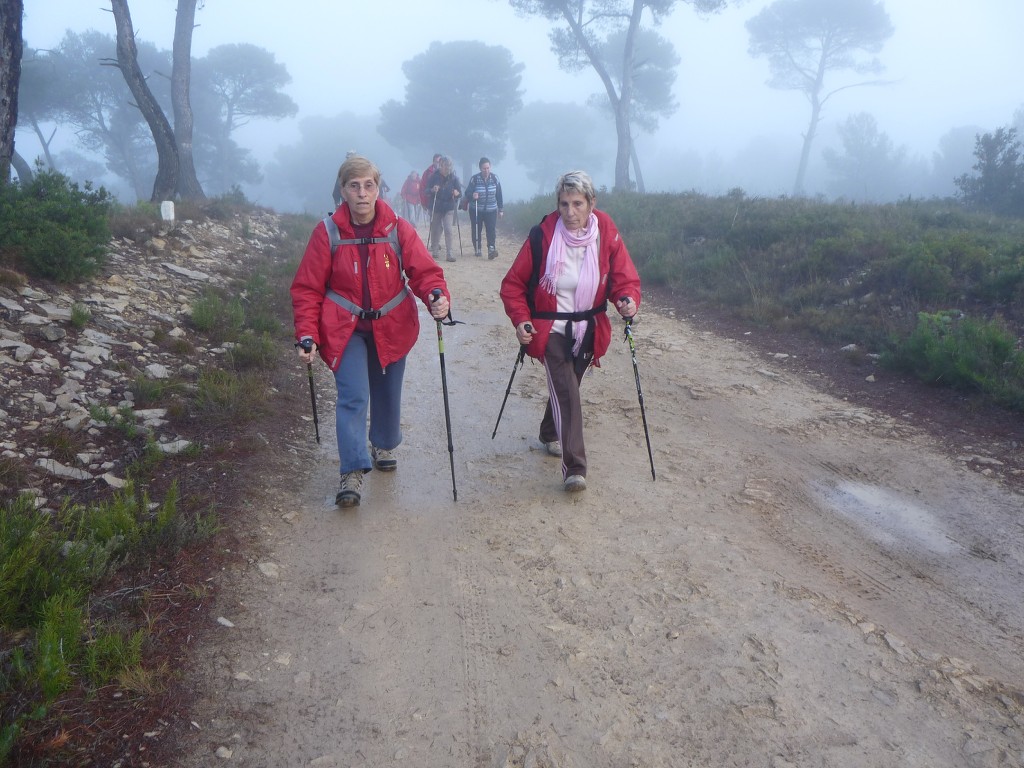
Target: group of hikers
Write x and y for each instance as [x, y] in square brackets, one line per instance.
[353, 299]
[437, 195]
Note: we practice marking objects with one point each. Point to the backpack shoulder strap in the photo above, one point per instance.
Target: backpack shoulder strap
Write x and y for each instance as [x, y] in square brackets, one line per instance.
[537, 253]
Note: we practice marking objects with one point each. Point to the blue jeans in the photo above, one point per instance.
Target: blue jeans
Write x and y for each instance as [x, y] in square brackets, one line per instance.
[363, 384]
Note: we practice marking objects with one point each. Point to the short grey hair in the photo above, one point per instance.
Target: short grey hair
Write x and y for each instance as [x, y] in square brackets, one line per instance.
[576, 181]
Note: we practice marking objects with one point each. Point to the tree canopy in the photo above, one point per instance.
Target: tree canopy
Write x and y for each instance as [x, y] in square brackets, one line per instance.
[806, 40]
[998, 184]
[589, 36]
[458, 100]
[538, 140]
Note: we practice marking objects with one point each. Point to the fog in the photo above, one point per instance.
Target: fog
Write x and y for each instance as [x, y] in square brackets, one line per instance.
[947, 66]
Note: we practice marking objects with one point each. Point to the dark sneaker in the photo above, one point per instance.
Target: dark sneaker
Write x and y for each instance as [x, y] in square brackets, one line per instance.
[478, 253]
[351, 489]
[450, 257]
[383, 460]
[492, 252]
[575, 483]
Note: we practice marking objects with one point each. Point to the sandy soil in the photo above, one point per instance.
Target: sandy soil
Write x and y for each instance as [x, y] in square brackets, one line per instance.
[806, 583]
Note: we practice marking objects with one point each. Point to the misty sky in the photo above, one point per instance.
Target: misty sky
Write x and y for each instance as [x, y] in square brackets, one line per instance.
[947, 59]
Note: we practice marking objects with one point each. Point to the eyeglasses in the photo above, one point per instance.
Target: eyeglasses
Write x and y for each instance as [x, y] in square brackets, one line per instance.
[355, 186]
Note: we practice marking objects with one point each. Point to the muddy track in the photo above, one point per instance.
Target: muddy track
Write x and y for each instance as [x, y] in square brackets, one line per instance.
[807, 583]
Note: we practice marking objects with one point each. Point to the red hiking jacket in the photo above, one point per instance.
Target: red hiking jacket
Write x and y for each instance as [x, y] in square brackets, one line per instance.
[618, 277]
[330, 325]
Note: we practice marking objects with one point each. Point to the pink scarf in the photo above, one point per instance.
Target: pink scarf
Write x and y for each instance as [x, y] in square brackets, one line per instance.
[586, 288]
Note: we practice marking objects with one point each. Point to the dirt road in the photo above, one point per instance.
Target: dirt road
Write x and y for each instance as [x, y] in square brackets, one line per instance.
[805, 584]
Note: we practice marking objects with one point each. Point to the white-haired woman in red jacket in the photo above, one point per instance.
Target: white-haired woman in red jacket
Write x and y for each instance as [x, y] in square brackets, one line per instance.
[558, 300]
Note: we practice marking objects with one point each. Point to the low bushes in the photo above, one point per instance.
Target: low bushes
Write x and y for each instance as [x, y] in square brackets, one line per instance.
[51, 228]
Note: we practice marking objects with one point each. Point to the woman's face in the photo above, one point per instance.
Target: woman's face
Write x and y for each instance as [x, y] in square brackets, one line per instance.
[485, 170]
[574, 209]
[361, 195]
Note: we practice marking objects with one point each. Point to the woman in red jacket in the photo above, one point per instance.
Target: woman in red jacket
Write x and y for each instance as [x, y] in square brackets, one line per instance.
[352, 304]
[558, 300]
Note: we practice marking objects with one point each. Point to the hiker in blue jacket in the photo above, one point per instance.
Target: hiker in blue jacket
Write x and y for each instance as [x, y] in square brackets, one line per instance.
[483, 201]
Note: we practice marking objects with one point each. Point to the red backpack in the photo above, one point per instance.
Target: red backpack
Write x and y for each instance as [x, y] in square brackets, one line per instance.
[424, 194]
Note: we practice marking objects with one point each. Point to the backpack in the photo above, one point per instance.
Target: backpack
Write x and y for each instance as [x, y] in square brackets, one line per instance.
[334, 234]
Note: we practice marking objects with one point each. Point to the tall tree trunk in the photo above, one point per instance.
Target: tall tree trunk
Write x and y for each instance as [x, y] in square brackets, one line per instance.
[814, 94]
[21, 165]
[805, 151]
[620, 107]
[44, 142]
[636, 170]
[181, 75]
[11, 13]
[166, 182]
[623, 130]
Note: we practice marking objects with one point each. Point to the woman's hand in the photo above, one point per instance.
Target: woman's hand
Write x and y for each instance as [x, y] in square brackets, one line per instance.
[524, 332]
[439, 308]
[307, 350]
[626, 306]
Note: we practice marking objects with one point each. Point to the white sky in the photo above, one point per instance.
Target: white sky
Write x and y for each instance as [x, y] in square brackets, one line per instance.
[954, 62]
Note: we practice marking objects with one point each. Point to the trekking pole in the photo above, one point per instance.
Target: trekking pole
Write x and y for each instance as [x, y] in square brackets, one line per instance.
[435, 295]
[639, 391]
[307, 346]
[477, 246]
[517, 364]
[458, 226]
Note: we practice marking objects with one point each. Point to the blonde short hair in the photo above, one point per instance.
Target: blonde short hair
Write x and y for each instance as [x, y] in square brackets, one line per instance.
[576, 181]
[356, 167]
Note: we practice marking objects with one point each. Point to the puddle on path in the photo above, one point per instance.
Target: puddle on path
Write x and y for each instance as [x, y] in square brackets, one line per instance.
[888, 518]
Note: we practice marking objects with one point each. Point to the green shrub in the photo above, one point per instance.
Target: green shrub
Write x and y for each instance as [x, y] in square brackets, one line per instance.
[52, 229]
[112, 653]
[253, 351]
[59, 642]
[80, 315]
[219, 318]
[229, 396]
[135, 222]
[964, 353]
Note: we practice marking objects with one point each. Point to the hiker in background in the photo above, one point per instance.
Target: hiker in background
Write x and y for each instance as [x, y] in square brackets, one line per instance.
[444, 189]
[336, 192]
[427, 173]
[558, 299]
[483, 201]
[411, 197]
[332, 296]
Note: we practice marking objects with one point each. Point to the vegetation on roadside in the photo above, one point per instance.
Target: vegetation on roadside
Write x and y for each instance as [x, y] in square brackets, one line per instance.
[82, 584]
[51, 228]
[932, 288]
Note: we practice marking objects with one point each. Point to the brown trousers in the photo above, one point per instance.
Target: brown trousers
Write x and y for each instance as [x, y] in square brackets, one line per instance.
[563, 416]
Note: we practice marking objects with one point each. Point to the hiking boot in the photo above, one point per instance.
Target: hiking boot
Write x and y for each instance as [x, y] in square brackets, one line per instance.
[492, 252]
[575, 483]
[477, 252]
[450, 257]
[351, 488]
[383, 460]
[436, 255]
[554, 448]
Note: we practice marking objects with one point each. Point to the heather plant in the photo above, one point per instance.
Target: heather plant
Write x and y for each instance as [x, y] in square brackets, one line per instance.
[53, 229]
